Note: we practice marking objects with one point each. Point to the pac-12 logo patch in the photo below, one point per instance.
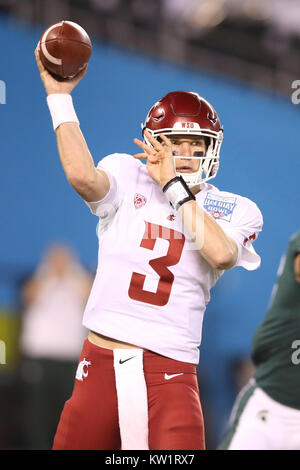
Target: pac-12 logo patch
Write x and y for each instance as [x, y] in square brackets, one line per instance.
[139, 200]
[220, 207]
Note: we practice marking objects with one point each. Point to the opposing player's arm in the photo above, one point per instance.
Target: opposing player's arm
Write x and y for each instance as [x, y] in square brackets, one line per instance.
[90, 183]
[219, 250]
[297, 267]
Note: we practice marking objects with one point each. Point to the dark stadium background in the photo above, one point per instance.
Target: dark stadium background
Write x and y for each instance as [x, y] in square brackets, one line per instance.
[242, 64]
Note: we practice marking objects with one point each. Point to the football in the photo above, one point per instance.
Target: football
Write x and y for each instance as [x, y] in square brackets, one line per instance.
[65, 48]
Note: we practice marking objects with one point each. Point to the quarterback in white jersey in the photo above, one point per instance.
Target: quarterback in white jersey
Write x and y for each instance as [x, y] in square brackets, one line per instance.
[165, 237]
[152, 286]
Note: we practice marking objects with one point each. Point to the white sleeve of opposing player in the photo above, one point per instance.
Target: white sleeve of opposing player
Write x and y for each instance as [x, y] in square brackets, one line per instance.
[111, 202]
[244, 227]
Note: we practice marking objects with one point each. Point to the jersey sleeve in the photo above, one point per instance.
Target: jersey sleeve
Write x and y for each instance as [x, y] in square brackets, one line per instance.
[243, 227]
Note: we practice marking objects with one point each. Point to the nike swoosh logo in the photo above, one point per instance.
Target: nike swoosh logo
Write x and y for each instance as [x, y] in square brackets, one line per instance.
[168, 377]
[122, 362]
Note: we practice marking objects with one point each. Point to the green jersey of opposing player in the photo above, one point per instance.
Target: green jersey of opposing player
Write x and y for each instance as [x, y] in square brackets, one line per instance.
[276, 343]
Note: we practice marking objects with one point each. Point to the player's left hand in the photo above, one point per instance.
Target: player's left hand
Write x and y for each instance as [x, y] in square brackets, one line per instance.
[160, 162]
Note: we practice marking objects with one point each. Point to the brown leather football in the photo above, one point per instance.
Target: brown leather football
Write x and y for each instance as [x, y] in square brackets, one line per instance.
[65, 48]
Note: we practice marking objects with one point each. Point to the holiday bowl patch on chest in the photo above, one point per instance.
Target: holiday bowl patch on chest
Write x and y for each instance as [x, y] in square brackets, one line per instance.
[220, 207]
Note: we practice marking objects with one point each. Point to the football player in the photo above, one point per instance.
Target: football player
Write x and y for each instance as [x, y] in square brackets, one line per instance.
[166, 236]
[266, 415]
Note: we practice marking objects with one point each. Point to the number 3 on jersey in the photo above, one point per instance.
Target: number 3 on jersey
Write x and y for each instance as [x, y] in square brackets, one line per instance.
[160, 265]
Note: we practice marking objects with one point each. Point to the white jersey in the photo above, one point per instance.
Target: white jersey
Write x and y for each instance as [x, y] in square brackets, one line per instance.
[152, 284]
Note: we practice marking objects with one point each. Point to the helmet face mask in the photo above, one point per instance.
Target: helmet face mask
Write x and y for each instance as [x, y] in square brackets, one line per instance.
[187, 114]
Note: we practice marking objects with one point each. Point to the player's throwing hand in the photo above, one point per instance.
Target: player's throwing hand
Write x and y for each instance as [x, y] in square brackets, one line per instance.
[51, 84]
[159, 157]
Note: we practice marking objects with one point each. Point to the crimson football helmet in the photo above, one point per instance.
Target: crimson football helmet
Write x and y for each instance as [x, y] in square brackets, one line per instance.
[187, 113]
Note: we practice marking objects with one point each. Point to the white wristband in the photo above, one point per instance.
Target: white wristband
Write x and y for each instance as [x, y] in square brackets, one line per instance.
[61, 109]
[177, 192]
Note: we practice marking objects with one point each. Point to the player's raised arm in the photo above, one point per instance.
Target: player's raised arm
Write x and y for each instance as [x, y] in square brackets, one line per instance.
[90, 183]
